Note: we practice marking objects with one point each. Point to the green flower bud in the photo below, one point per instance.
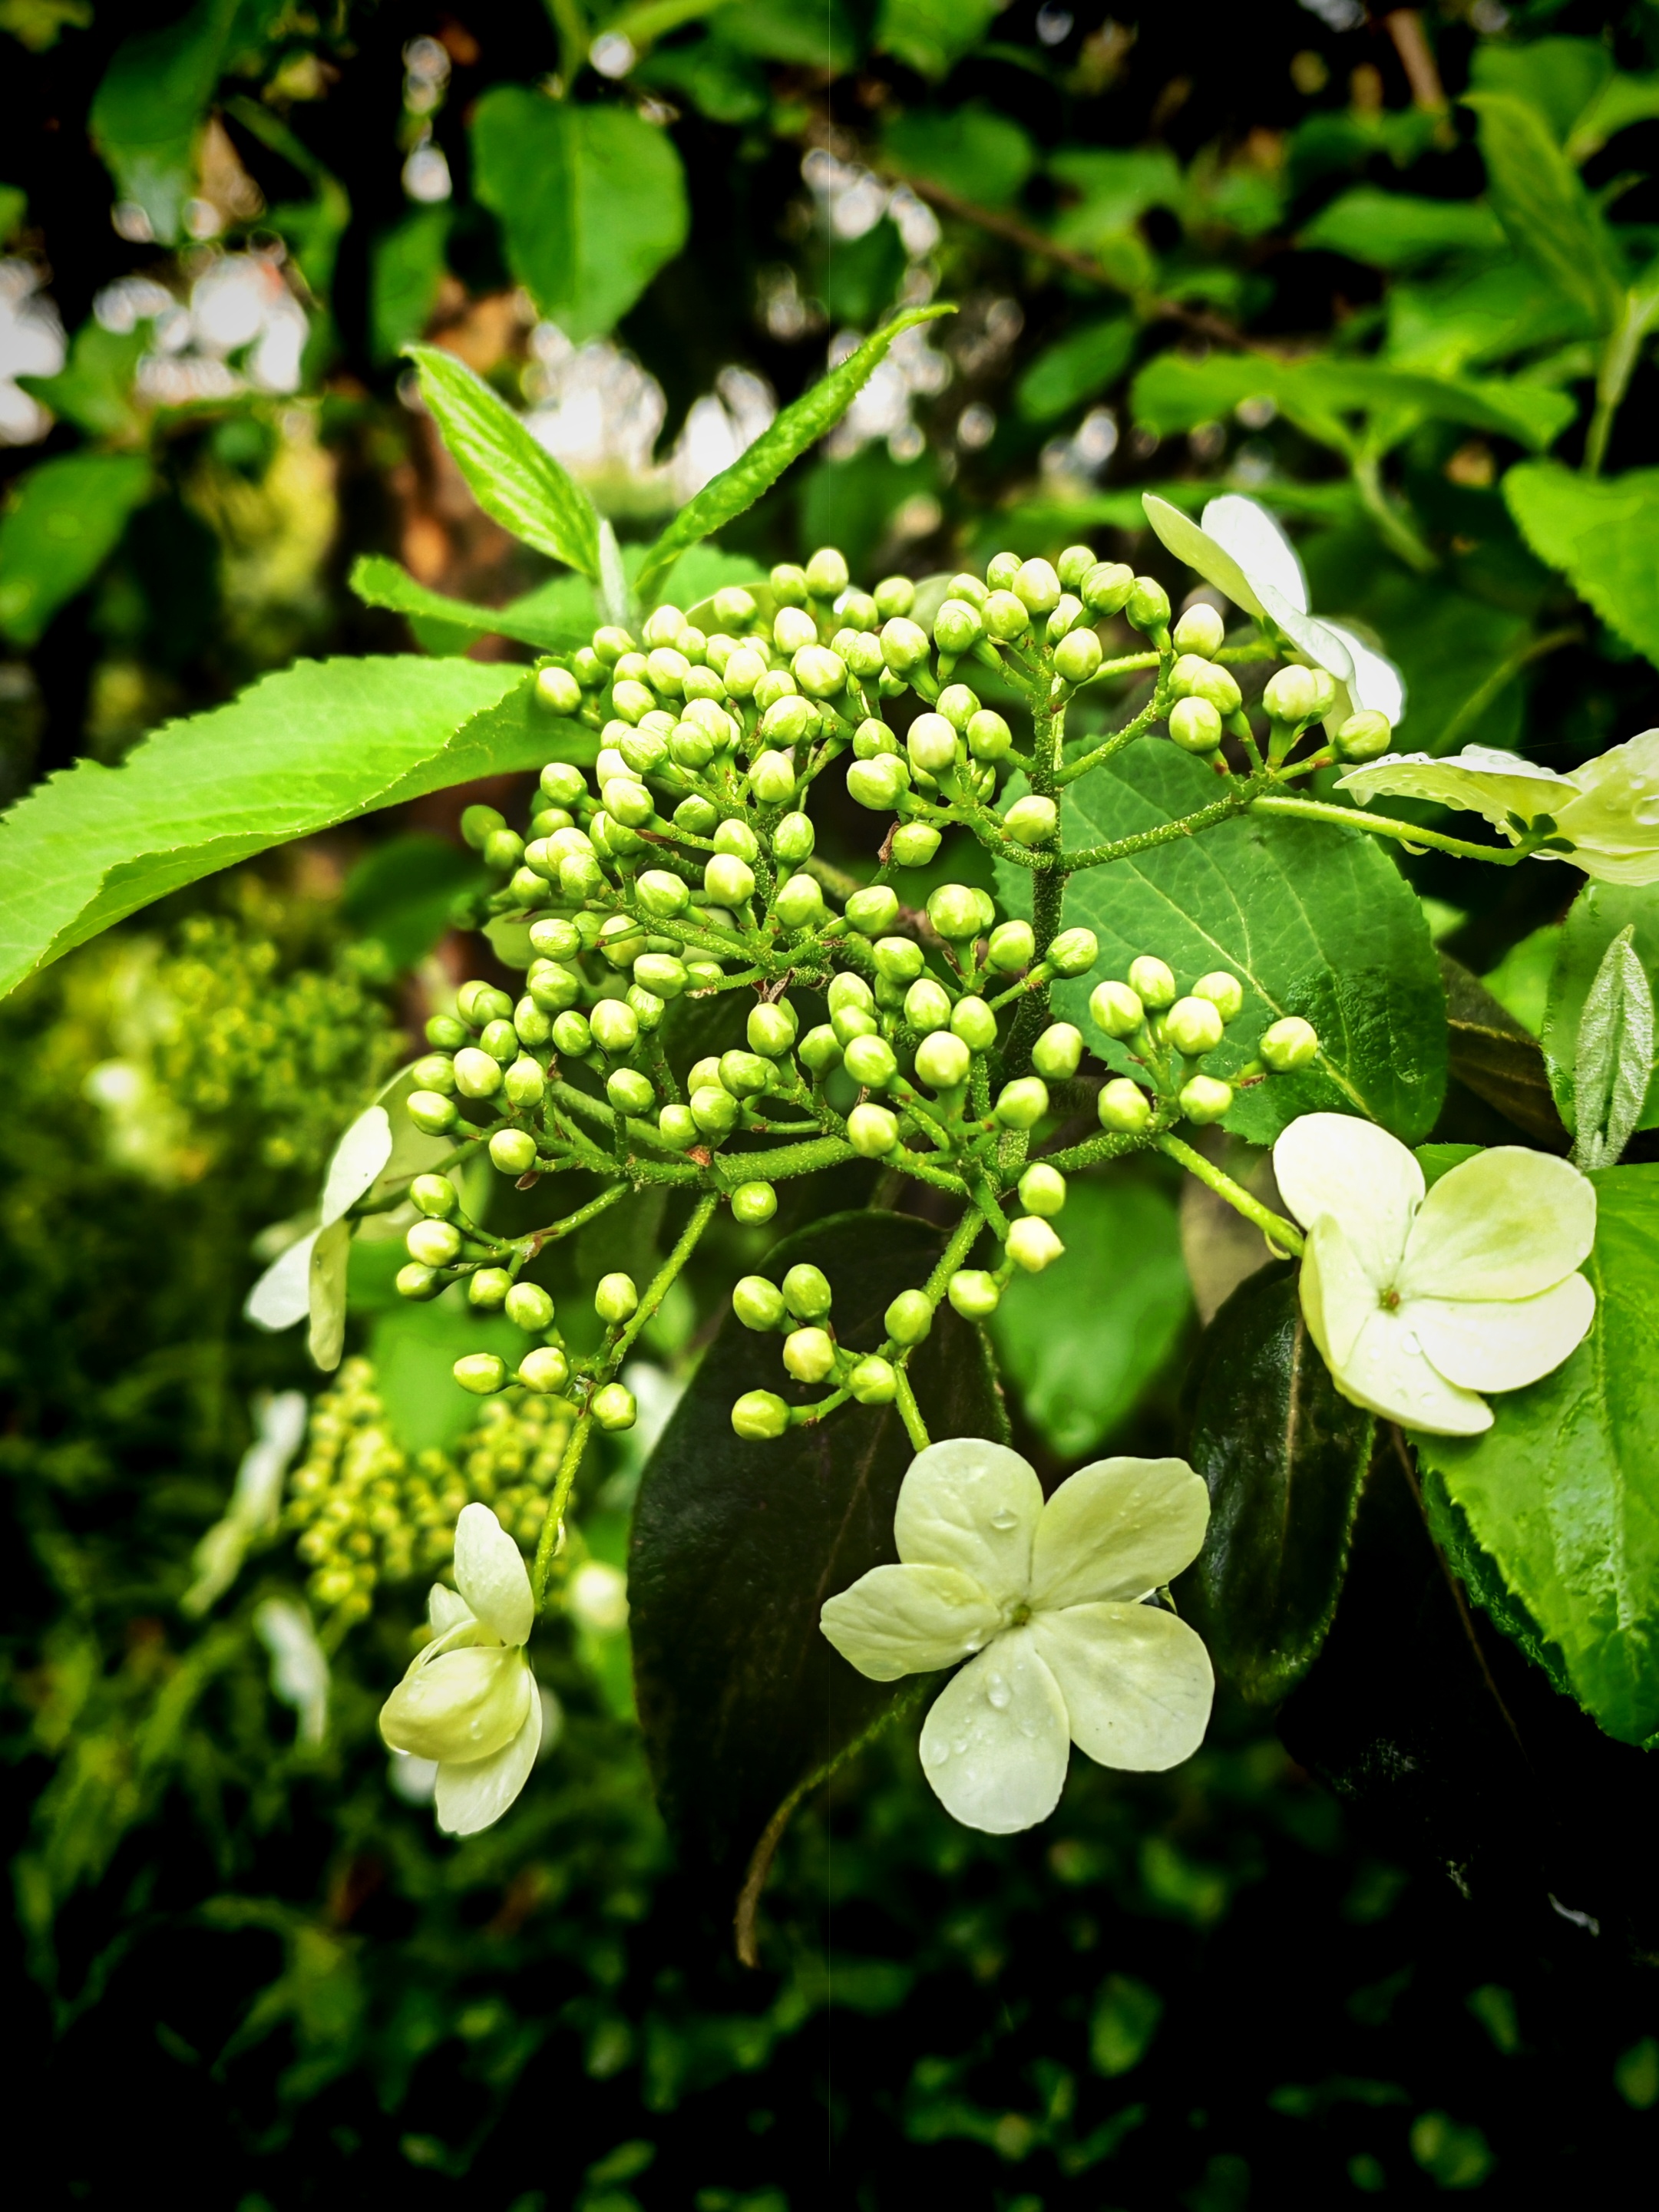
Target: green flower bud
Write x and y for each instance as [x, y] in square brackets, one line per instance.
[676, 1125]
[434, 1243]
[728, 880]
[954, 911]
[759, 1416]
[1013, 945]
[533, 1024]
[898, 958]
[1106, 587]
[557, 688]
[793, 629]
[1042, 1189]
[793, 839]
[1288, 1045]
[806, 1292]
[431, 1112]
[1152, 982]
[1124, 1108]
[847, 988]
[772, 1027]
[745, 1074]
[878, 784]
[646, 1008]
[1057, 1052]
[562, 783]
[1224, 993]
[662, 974]
[663, 625]
[733, 607]
[871, 1131]
[555, 938]
[894, 595]
[1148, 605]
[1032, 820]
[1291, 696]
[572, 1035]
[1078, 656]
[800, 903]
[849, 1022]
[1037, 586]
[614, 1026]
[527, 887]
[528, 1306]
[754, 1204]
[915, 844]
[943, 1061]
[713, 1110]
[870, 1061]
[1363, 737]
[488, 1288]
[449, 1035]
[435, 1194]
[1005, 616]
[872, 910]
[661, 893]
[524, 1084]
[417, 1282]
[629, 1091]
[958, 705]
[931, 744]
[1195, 725]
[480, 1003]
[477, 1075]
[614, 1407]
[479, 824]
[872, 740]
[629, 803]
[695, 814]
[973, 1293]
[704, 974]
[910, 1319]
[632, 668]
[776, 683]
[972, 1020]
[743, 671]
[809, 1354]
[1203, 1099]
[872, 1382]
[1022, 1102]
[1032, 1244]
[966, 585]
[480, 1372]
[513, 1152]
[632, 701]
[1116, 1009]
[788, 721]
[904, 644]
[691, 746]
[580, 876]
[820, 673]
[819, 1050]
[501, 1041]
[616, 1299]
[546, 1369]
[927, 1005]
[1200, 630]
[1075, 564]
[958, 627]
[1073, 952]
[435, 1071]
[1193, 1027]
[757, 1304]
[666, 672]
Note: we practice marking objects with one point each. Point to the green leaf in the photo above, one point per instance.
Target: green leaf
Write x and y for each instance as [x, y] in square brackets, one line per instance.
[1081, 1341]
[1621, 101]
[1537, 196]
[931, 36]
[406, 269]
[1613, 1059]
[1394, 230]
[797, 427]
[1599, 914]
[557, 616]
[147, 108]
[975, 152]
[736, 1547]
[1600, 532]
[1313, 920]
[1562, 1491]
[94, 390]
[820, 38]
[512, 478]
[1283, 1456]
[401, 893]
[1559, 77]
[1492, 1055]
[64, 520]
[320, 743]
[1080, 366]
[591, 201]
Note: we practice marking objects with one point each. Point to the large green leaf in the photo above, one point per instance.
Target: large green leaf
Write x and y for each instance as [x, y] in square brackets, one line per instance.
[512, 478]
[591, 200]
[975, 152]
[1396, 230]
[554, 618]
[406, 270]
[931, 35]
[736, 1547]
[797, 428]
[1313, 920]
[319, 744]
[1562, 1491]
[147, 108]
[1538, 199]
[1078, 366]
[1283, 1456]
[64, 520]
[1596, 917]
[1081, 1341]
[1601, 533]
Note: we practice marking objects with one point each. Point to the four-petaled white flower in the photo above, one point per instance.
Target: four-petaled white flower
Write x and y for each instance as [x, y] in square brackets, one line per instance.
[1609, 809]
[1049, 1596]
[468, 1699]
[1240, 549]
[1417, 1302]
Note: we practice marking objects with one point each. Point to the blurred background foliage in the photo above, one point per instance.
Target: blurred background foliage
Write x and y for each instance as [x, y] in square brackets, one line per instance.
[1268, 249]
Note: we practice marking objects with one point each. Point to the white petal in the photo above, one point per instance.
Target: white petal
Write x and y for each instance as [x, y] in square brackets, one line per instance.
[1480, 780]
[1504, 1225]
[464, 1703]
[1338, 1296]
[995, 1747]
[358, 1158]
[1117, 1529]
[972, 1504]
[445, 1609]
[1201, 551]
[1389, 1371]
[1614, 821]
[1251, 537]
[283, 1294]
[1137, 1682]
[489, 1573]
[1338, 1164]
[331, 1258]
[1376, 683]
[472, 1796]
[909, 1620]
[1507, 1344]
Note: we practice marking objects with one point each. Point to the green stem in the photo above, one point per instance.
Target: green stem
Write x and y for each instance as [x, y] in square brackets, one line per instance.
[555, 1230]
[1096, 856]
[1154, 708]
[660, 1283]
[1383, 825]
[1273, 1226]
[547, 1543]
[1530, 649]
[910, 1413]
[1395, 531]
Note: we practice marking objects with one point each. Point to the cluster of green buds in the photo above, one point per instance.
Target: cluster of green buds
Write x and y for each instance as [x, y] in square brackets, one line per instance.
[1170, 1034]
[365, 1513]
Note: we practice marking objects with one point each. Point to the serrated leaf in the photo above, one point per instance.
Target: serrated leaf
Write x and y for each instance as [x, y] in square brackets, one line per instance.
[64, 520]
[512, 478]
[554, 617]
[736, 1546]
[797, 428]
[1313, 920]
[320, 743]
[1538, 199]
[1493, 1054]
[1600, 532]
[1562, 1491]
[1285, 1456]
[1598, 914]
[1613, 1058]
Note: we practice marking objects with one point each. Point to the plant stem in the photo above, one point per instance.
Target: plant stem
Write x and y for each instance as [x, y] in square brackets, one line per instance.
[1098, 856]
[1383, 825]
[658, 1289]
[547, 1543]
[1395, 531]
[910, 1413]
[1273, 1226]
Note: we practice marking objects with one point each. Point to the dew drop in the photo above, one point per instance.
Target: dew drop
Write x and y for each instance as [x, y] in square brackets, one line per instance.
[997, 1693]
[938, 1752]
[960, 1745]
[1409, 1343]
[1004, 1519]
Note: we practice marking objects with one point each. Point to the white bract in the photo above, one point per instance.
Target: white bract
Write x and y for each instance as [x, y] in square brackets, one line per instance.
[299, 1664]
[1609, 809]
[468, 1700]
[255, 1502]
[1417, 1304]
[1240, 549]
[1049, 1598]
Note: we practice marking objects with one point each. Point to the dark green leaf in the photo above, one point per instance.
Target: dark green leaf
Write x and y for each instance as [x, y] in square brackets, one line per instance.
[1478, 1572]
[975, 152]
[591, 201]
[1078, 366]
[512, 478]
[401, 892]
[1601, 534]
[1494, 1056]
[1562, 1491]
[816, 38]
[736, 1545]
[406, 270]
[1393, 230]
[94, 390]
[64, 520]
[796, 428]
[930, 36]
[147, 110]
[1559, 77]
[1283, 1456]
[1596, 917]
[1621, 101]
[560, 614]
[1539, 201]
[1081, 1342]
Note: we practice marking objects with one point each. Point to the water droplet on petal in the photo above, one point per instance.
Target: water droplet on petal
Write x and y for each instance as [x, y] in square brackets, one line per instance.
[960, 1745]
[1004, 1519]
[997, 1693]
[1409, 1343]
[938, 1752]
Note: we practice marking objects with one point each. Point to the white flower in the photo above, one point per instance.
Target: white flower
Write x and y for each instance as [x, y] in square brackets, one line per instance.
[254, 1502]
[1418, 1303]
[1049, 1597]
[299, 1665]
[468, 1699]
[1609, 808]
[1241, 550]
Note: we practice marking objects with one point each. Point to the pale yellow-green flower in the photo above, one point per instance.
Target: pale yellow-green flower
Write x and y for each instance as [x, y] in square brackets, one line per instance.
[1050, 1599]
[1418, 1304]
